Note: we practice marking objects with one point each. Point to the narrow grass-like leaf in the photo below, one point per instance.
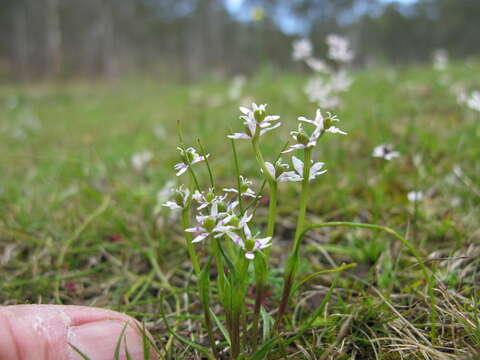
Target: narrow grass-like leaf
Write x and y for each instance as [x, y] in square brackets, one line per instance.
[77, 350]
[119, 342]
[204, 350]
[221, 327]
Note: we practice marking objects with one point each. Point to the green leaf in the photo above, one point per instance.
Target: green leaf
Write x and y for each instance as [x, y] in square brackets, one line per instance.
[77, 350]
[267, 323]
[221, 327]
[119, 342]
[200, 348]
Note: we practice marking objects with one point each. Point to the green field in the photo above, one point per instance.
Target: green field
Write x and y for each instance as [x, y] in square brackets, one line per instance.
[80, 225]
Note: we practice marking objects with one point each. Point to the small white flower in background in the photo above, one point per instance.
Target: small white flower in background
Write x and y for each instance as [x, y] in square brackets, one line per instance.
[473, 102]
[213, 224]
[317, 65]
[322, 92]
[140, 159]
[341, 81]
[276, 170]
[385, 151]
[339, 48]
[160, 132]
[297, 175]
[252, 243]
[236, 86]
[440, 59]
[415, 196]
[302, 49]
[256, 122]
[244, 188]
[189, 157]
[324, 123]
[164, 193]
[180, 199]
[207, 199]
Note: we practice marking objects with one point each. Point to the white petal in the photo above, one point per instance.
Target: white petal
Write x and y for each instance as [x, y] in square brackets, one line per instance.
[294, 147]
[263, 131]
[298, 165]
[244, 110]
[172, 205]
[270, 168]
[239, 136]
[200, 237]
[230, 190]
[250, 255]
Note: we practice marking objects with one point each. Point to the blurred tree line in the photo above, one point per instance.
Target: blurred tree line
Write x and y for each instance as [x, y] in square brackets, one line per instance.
[51, 38]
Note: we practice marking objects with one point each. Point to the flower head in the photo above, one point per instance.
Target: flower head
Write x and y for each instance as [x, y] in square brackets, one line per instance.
[324, 124]
[252, 243]
[189, 157]
[139, 160]
[339, 48]
[276, 170]
[214, 224]
[180, 199]
[302, 49]
[244, 188]
[256, 122]
[415, 196]
[297, 174]
[207, 199]
[385, 151]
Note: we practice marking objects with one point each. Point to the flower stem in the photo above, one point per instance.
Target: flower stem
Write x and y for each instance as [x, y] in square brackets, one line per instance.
[292, 262]
[238, 304]
[188, 240]
[261, 278]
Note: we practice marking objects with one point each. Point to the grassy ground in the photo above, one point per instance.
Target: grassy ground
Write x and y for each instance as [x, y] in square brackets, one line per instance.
[80, 225]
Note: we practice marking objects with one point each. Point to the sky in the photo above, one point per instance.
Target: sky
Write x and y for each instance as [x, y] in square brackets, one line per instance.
[289, 24]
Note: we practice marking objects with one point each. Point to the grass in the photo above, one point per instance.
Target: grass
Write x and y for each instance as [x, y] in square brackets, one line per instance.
[79, 225]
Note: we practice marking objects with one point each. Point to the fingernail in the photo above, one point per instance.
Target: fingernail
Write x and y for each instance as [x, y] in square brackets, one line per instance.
[98, 340]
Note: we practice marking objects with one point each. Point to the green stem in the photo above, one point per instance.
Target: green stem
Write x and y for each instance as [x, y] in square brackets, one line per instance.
[260, 281]
[238, 303]
[292, 262]
[188, 240]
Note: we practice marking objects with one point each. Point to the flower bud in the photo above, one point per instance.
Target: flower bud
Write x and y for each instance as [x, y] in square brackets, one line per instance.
[222, 207]
[210, 196]
[259, 115]
[302, 138]
[234, 221]
[327, 123]
[209, 224]
[179, 199]
[249, 244]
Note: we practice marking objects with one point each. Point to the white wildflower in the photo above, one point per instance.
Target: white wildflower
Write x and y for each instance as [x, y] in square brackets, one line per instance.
[276, 170]
[440, 59]
[302, 49]
[324, 124]
[317, 65]
[245, 189]
[236, 86]
[297, 175]
[303, 140]
[473, 102]
[415, 196]
[207, 199]
[252, 243]
[385, 151]
[214, 224]
[339, 48]
[189, 157]
[256, 122]
[141, 159]
[181, 198]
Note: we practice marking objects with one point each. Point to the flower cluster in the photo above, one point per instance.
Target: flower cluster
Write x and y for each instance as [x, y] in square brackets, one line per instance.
[256, 122]
[325, 88]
